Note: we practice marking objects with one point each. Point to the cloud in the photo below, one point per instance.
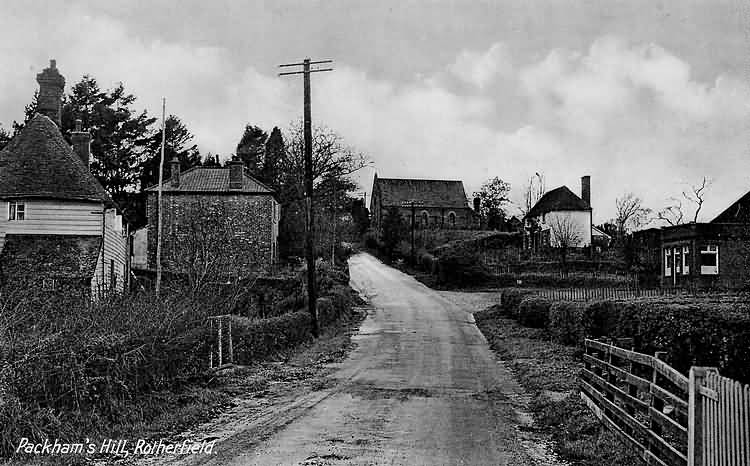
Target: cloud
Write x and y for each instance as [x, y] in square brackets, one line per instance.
[631, 115]
[481, 68]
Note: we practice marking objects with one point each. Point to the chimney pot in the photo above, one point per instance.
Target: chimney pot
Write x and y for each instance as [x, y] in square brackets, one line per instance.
[79, 124]
[586, 189]
[51, 86]
[236, 169]
[174, 170]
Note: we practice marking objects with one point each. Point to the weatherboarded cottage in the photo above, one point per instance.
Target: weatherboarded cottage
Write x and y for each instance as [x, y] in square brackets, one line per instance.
[59, 230]
[220, 217]
[560, 218]
[437, 203]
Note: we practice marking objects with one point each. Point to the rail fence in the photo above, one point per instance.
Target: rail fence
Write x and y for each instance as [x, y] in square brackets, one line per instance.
[670, 419]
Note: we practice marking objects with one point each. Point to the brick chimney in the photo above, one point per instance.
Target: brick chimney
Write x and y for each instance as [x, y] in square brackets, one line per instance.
[586, 189]
[81, 142]
[236, 169]
[174, 172]
[51, 86]
[477, 204]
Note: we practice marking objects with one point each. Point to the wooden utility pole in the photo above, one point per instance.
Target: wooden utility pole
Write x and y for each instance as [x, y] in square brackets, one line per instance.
[413, 205]
[158, 202]
[309, 243]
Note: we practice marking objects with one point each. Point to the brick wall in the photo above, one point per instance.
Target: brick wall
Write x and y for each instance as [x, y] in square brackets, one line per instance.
[237, 228]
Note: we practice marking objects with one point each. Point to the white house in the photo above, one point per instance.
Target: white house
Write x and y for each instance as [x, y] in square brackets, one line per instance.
[560, 218]
[59, 229]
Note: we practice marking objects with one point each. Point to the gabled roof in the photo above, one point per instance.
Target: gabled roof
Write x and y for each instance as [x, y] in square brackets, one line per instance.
[212, 179]
[431, 193]
[39, 163]
[599, 232]
[738, 212]
[560, 198]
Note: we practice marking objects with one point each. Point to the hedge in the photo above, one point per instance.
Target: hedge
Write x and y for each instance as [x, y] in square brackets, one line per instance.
[510, 299]
[257, 338]
[533, 311]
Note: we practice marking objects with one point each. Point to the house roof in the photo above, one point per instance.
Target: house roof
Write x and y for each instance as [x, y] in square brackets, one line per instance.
[432, 193]
[599, 232]
[212, 179]
[560, 198]
[39, 163]
[737, 212]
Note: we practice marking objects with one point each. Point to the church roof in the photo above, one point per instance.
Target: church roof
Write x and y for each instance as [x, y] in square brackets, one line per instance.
[38, 162]
[558, 199]
[214, 179]
[431, 193]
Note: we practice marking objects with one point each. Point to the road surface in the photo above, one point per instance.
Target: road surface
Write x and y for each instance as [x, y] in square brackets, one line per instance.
[421, 388]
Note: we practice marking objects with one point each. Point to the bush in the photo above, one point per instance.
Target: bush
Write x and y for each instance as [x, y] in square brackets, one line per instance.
[510, 299]
[533, 312]
[255, 339]
[566, 322]
[462, 270]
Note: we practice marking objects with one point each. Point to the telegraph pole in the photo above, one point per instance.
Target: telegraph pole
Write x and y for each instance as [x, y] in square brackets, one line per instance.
[309, 245]
[413, 205]
[158, 202]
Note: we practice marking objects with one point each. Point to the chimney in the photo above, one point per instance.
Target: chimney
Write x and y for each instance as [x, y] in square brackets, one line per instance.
[586, 189]
[51, 86]
[174, 172]
[477, 204]
[81, 142]
[236, 167]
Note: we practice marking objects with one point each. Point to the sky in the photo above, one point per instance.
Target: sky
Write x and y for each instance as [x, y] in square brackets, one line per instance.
[645, 96]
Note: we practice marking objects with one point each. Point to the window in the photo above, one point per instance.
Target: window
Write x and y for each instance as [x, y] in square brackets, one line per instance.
[452, 219]
[16, 211]
[686, 260]
[710, 260]
[677, 261]
[667, 262]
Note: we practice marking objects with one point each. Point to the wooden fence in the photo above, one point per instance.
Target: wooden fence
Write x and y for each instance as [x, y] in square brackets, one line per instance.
[670, 419]
[223, 350]
[588, 294]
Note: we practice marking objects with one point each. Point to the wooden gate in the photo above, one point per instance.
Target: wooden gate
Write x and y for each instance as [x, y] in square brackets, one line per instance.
[722, 418]
[670, 419]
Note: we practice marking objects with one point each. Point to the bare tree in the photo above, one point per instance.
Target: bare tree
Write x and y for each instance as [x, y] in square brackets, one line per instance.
[630, 213]
[672, 214]
[564, 235]
[205, 251]
[697, 195]
[533, 191]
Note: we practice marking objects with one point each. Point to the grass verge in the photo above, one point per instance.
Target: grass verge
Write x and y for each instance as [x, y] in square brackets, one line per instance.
[548, 371]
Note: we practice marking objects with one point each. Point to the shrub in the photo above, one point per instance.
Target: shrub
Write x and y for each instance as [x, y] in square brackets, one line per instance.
[510, 299]
[462, 270]
[255, 339]
[533, 311]
[566, 322]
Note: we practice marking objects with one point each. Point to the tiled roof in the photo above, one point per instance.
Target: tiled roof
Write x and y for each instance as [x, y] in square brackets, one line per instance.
[561, 198]
[212, 180]
[432, 193]
[39, 163]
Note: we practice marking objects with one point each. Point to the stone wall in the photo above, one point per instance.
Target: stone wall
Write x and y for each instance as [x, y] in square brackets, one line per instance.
[233, 230]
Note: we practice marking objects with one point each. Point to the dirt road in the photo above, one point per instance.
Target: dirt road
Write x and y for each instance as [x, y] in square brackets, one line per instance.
[421, 388]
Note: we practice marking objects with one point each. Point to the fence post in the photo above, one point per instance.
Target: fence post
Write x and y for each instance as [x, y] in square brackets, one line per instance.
[695, 415]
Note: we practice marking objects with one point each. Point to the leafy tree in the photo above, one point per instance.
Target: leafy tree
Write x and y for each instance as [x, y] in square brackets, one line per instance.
[251, 147]
[493, 196]
[177, 143]
[393, 229]
[5, 137]
[273, 159]
[119, 135]
[28, 113]
[211, 161]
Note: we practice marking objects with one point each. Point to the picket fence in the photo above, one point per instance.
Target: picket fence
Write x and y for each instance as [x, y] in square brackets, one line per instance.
[588, 294]
[670, 419]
